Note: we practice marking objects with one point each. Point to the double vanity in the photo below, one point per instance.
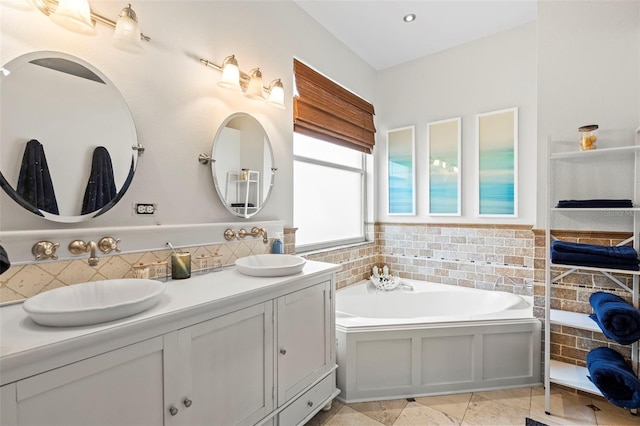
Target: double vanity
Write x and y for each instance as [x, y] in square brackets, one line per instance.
[220, 348]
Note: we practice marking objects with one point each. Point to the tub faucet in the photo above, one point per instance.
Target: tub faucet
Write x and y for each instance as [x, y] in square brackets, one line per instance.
[526, 284]
[79, 247]
[406, 286]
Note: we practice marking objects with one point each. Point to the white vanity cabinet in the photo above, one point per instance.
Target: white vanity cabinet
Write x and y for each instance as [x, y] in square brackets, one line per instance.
[305, 352]
[226, 367]
[124, 386]
[304, 333]
[8, 405]
[268, 360]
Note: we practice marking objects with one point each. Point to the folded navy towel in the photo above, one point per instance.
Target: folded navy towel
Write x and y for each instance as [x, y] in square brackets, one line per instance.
[613, 377]
[619, 320]
[595, 261]
[594, 203]
[625, 252]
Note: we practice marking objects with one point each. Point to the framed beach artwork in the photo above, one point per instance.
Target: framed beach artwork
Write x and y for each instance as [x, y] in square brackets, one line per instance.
[444, 142]
[497, 134]
[401, 170]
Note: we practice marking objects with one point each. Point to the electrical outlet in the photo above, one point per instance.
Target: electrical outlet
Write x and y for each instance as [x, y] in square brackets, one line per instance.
[147, 209]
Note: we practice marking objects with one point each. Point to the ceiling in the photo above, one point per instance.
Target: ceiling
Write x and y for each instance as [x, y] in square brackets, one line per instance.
[375, 30]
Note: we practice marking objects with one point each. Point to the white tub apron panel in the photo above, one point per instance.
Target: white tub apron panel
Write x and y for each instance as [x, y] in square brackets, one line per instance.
[389, 360]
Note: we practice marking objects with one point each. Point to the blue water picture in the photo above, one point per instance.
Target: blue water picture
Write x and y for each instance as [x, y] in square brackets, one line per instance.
[401, 188]
[444, 172]
[497, 163]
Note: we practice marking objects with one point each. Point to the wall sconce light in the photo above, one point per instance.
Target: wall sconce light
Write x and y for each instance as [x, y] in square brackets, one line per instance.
[230, 74]
[254, 89]
[76, 15]
[233, 78]
[276, 93]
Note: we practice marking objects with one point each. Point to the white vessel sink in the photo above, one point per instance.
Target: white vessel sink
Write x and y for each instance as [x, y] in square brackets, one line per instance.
[270, 265]
[93, 302]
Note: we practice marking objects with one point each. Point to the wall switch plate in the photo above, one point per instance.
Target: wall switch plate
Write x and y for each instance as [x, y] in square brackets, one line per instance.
[147, 209]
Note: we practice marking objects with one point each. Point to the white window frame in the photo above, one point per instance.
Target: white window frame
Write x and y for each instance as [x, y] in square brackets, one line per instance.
[363, 190]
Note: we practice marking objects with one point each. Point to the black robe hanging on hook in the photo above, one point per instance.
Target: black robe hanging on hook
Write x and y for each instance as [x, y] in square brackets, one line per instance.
[34, 182]
[4, 260]
[101, 188]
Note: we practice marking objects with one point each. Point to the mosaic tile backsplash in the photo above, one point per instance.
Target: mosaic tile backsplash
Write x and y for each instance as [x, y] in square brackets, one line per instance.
[24, 281]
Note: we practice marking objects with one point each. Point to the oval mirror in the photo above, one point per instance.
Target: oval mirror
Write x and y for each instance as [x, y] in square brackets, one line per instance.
[69, 143]
[242, 165]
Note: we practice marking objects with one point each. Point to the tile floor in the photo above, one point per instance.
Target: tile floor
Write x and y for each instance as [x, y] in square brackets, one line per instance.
[503, 407]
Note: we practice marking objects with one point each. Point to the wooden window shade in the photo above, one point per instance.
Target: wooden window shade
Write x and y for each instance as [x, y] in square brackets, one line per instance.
[324, 110]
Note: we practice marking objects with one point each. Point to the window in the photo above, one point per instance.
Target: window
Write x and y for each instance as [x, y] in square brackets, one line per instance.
[328, 193]
[333, 132]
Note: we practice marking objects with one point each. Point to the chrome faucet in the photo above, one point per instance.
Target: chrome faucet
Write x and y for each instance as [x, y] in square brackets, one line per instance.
[79, 247]
[255, 232]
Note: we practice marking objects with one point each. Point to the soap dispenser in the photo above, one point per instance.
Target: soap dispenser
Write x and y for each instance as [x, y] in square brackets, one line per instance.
[276, 246]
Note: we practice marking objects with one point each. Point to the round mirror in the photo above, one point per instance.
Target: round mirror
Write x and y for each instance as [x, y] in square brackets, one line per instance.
[69, 143]
[242, 165]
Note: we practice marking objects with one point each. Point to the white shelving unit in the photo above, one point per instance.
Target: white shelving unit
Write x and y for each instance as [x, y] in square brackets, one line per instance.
[247, 191]
[558, 372]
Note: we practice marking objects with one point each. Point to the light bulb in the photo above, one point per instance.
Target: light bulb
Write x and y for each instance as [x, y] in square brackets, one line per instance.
[230, 74]
[127, 33]
[276, 94]
[255, 89]
[74, 15]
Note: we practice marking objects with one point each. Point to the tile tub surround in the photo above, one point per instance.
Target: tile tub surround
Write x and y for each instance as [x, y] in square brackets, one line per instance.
[460, 254]
[455, 254]
[572, 293]
[357, 260]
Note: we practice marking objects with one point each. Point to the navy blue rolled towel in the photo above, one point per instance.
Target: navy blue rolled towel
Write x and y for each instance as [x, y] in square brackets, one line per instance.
[613, 377]
[618, 319]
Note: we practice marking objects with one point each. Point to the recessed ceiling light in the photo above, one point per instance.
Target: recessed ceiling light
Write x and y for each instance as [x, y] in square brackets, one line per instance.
[410, 17]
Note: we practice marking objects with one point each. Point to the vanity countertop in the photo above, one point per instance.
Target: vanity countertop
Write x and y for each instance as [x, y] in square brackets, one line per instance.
[27, 348]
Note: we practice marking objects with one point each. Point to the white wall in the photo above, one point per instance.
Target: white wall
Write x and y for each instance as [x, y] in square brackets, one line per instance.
[489, 74]
[175, 101]
[578, 64]
[588, 72]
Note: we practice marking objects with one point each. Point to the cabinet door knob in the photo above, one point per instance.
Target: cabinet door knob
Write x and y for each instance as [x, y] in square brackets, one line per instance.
[173, 411]
[310, 403]
[283, 351]
[187, 402]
